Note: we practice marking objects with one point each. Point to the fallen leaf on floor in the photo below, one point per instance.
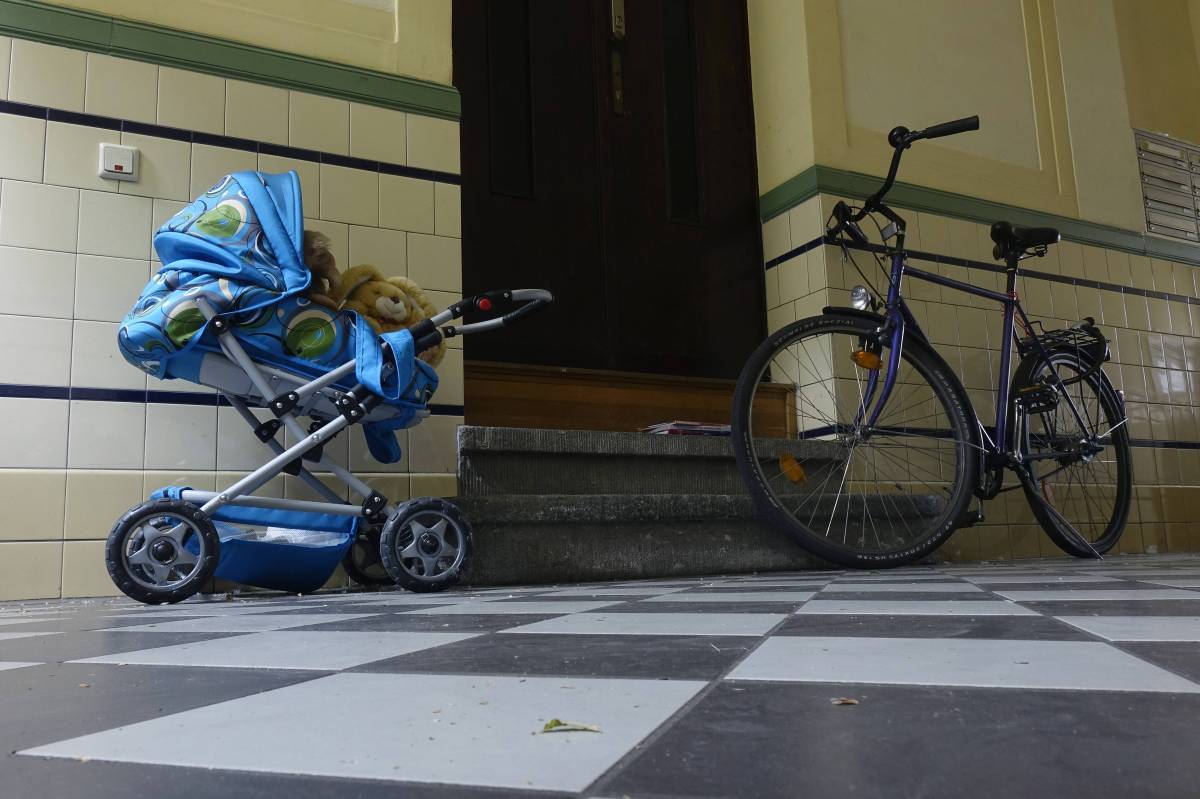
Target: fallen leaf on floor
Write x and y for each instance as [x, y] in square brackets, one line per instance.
[85, 685]
[843, 700]
[557, 725]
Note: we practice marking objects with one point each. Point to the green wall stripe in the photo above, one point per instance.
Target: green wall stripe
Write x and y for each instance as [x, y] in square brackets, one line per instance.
[29, 19]
[827, 180]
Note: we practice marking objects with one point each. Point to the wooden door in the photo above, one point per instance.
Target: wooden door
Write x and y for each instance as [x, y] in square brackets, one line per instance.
[637, 207]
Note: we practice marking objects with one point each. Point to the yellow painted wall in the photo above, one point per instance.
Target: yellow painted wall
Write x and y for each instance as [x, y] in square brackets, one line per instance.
[782, 94]
[1158, 53]
[402, 37]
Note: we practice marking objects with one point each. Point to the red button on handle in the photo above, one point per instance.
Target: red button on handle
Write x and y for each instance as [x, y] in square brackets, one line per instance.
[484, 304]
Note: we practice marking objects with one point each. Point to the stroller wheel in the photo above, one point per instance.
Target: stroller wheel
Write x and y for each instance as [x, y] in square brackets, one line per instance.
[426, 545]
[362, 561]
[161, 551]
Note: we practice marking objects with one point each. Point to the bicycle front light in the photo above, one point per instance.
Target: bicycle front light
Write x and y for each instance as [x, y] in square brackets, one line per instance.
[861, 299]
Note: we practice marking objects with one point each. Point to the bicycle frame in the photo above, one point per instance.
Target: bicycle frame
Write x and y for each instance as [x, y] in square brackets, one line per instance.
[899, 318]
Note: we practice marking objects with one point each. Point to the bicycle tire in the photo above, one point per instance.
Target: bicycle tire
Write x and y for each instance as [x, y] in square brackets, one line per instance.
[946, 389]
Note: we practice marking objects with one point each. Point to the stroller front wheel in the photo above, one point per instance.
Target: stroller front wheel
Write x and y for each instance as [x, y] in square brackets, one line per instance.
[426, 545]
[162, 551]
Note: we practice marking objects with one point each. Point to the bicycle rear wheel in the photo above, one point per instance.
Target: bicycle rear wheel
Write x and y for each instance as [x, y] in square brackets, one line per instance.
[1082, 497]
[856, 495]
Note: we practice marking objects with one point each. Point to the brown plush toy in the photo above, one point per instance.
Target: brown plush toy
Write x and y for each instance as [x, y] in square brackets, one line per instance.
[326, 280]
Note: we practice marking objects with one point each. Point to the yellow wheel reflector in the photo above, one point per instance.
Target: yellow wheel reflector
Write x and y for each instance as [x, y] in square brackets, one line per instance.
[792, 469]
[867, 360]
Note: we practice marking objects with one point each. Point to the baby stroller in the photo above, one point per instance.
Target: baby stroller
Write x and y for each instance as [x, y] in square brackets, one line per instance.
[227, 310]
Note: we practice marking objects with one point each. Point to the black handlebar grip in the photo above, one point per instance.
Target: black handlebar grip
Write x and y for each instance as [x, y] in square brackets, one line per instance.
[524, 310]
[950, 128]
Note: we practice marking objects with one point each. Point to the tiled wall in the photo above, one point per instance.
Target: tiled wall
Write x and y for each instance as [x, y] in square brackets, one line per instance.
[80, 444]
[1155, 356]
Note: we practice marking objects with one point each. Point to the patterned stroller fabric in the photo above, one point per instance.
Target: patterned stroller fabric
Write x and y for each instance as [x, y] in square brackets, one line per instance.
[239, 246]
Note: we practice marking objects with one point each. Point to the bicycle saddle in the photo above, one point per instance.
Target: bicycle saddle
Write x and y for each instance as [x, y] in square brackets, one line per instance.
[1012, 238]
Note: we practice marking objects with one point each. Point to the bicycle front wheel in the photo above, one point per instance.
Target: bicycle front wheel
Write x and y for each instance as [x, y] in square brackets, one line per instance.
[1076, 470]
[857, 494]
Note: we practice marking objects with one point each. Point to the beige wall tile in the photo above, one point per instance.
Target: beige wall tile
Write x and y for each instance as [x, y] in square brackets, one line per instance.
[379, 134]
[164, 167]
[295, 488]
[361, 461]
[152, 480]
[780, 317]
[41, 217]
[433, 485]
[73, 155]
[84, 572]
[385, 249]
[310, 177]
[406, 203]
[42, 74]
[273, 487]
[450, 379]
[181, 437]
[40, 441]
[191, 100]
[254, 111]
[37, 351]
[339, 238]
[349, 195]
[24, 146]
[792, 278]
[210, 164]
[106, 435]
[30, 570]
[447, 210]
[31, 504]
[393, 486]
[319, 123]
[1185, 279]
[37, 282]
[776, 237]
[1141, 273]
[96, 499]
[114, 224]
[433, 143]
[5, 60]
[120, 88]
[435, 262]
[433, 446]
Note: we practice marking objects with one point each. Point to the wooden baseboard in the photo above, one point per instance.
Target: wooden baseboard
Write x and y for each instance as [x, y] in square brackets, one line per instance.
[517, 395]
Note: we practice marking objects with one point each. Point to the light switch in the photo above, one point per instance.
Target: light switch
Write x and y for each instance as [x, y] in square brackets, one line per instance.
[118, 162]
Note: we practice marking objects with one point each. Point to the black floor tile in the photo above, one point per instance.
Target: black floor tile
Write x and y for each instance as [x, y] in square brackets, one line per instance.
[1182, 658]
[431, 623]
[1136, 607]
[1013, 628]
[76, 646]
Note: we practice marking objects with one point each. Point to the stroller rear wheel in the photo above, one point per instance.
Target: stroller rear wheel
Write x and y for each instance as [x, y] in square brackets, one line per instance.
[362, 561]
[426, 545]
[162, 551]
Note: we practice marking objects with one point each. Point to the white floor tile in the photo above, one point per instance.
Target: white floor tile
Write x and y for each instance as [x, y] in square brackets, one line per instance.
[919, 588]
[1038, 579]
[1192, 582]
[888, 577]
[1138, 628]
[482, 608]
[631, 591]
[911, 607]
[15, 665]
[1088, 595]
[1079, 665]
[288, 650]
[735, 596]
[470, 730]
[656, 624]
[12, 636]
[242, 623]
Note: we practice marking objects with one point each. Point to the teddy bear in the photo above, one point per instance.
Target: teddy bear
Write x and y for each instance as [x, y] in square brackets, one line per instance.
[326, 280]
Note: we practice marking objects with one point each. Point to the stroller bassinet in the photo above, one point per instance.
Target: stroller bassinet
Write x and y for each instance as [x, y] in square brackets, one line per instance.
[227, 310]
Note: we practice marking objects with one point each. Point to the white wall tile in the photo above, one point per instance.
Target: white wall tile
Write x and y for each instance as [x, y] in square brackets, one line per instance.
[181, 437]
[96, 361]
[163, 167]
[42, 74]
[114, 224]
[191, 100]
[22, 145]
[210, 164]
[254, 111]
[36, 351]
[41, 217]
[106, 287]
[106, 435]
[433, 143]
[378, 133]
[5, 60]
[310, 177]
[73, 155]
[163, 210]
[349, 195]
[435, 262]
[40, 440]
[319, 123]
[337, 450]
[433, 445]
[37, 282]
[386, 250]
[120, 88]
[406, 203]
[154, 384]
[447, 210]
[361, 460]
[237, 447]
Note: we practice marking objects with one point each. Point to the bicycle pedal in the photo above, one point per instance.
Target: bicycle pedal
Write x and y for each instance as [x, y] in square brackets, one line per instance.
[1037, 399]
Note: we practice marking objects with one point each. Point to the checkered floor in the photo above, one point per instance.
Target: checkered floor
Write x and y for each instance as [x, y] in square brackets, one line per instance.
[1061, 678]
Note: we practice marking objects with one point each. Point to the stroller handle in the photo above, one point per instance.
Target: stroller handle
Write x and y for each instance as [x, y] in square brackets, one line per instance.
[514, 304]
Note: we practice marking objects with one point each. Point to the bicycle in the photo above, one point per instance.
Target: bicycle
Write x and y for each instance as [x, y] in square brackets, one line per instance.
[882, 448]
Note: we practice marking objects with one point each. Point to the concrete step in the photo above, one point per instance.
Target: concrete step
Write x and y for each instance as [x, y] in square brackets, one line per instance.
[496, 461]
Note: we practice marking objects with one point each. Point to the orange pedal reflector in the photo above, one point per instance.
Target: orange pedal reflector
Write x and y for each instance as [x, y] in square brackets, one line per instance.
[792, 469]
[867, 360]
